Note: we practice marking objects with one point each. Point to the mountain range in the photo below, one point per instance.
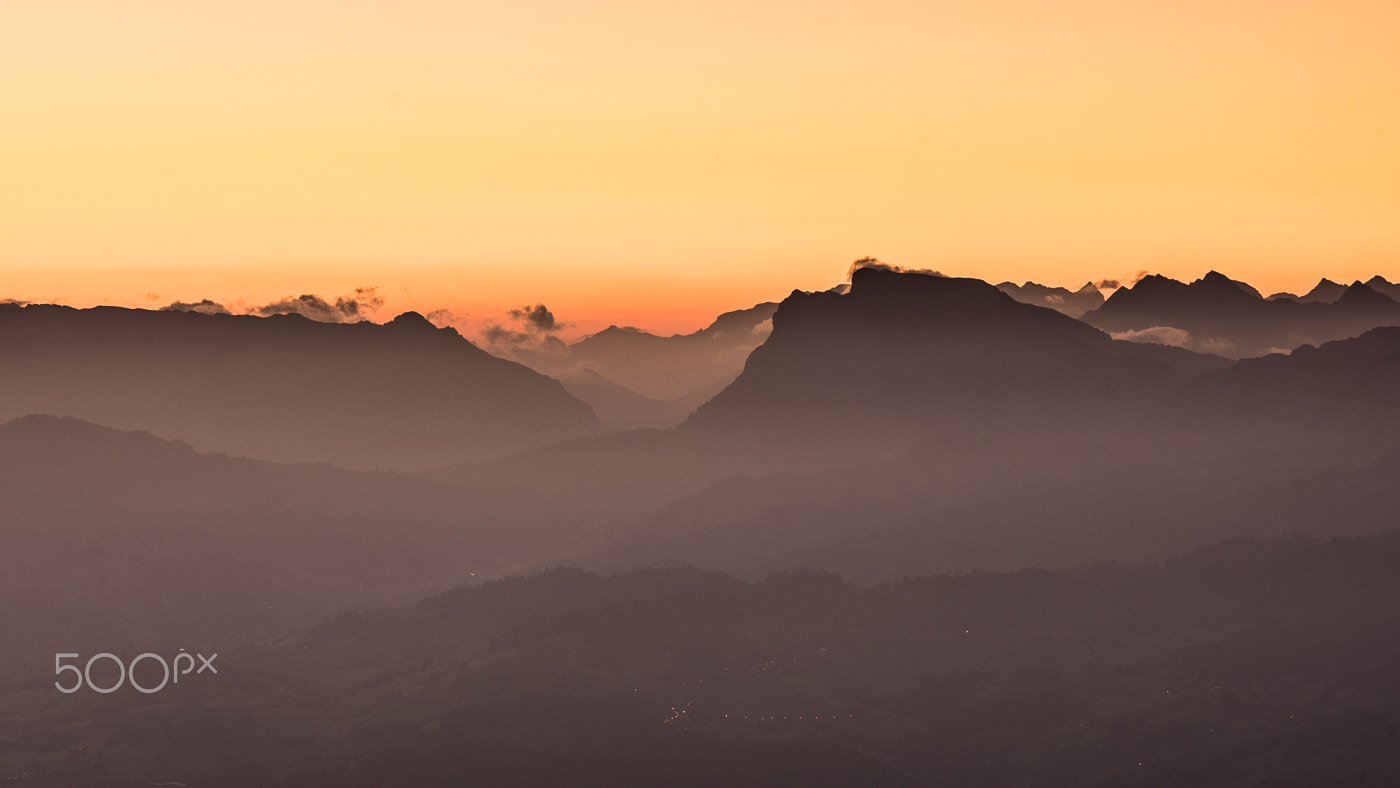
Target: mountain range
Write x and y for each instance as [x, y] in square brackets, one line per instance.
[1219, 315]
[634, 379]
[1071, 302]
[403, 395]
[1252, 662]
[113, 537]
[956, 518]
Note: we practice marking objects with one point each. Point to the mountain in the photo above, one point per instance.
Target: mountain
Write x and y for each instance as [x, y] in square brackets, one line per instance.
[620, 407]
[113, 537]
[1240, 663]
[1072, 303]
[402, 395]
[1219, 315]
[1380, 285]
[904, 355]
[1282, 444]
[679, 371]
[670, 368]
[1326, 291]
[1338, 388]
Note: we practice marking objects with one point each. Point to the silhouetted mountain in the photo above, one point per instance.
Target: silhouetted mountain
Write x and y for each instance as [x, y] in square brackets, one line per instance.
[671, 368]
[619, 407]
[115, 537]
[1220, 315]
[1380, 285]
[637, 380]
[1239, 663]
[1342, 387]
[402, 395]
[902, 356]
[1325, 291]
[1060, 299]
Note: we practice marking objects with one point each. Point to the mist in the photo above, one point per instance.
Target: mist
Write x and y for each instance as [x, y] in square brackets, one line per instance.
[916, 530]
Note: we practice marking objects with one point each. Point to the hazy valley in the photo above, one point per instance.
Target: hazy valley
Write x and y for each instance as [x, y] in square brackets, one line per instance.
[869, 535]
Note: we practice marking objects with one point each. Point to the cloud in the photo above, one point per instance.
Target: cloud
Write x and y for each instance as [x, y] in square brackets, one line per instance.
[14, 302]
[1156, 335]
[527, 330]
[445, 317]
[1114, 284]
[350, 308]
[1170, 335]
[536, 318]
[871, 262]
[205, 307]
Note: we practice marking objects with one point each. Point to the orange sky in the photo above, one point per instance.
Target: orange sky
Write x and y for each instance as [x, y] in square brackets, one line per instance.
[656, 163]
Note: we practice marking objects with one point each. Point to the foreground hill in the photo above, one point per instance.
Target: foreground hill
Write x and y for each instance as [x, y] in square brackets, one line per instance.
[403, 395]
[1253, 662]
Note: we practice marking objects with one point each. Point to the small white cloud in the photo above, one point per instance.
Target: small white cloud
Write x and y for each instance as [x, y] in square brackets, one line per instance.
[1156, 335]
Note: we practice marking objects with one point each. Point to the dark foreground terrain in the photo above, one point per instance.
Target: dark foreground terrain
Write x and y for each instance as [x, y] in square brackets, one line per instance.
[1251, 663]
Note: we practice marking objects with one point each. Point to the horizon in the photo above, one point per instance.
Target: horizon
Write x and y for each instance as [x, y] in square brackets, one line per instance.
[380, 305]
[653, 167]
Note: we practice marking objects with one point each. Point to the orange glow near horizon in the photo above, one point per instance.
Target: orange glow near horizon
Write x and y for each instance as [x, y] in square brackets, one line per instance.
[656, 164]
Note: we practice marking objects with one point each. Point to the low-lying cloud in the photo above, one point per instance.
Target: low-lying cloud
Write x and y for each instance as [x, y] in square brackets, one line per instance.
[1114, 284]
[871, 262]
[1177, 337]
[205, 307]
[350, 308]
[443, 318]
[1156, 335]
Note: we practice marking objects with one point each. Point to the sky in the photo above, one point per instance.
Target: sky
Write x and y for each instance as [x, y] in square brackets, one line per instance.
[654, 164]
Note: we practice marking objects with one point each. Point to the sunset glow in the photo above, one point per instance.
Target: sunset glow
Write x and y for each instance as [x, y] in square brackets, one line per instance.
[655, 164]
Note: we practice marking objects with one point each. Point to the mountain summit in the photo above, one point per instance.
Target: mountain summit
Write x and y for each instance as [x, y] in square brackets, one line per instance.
[912, 354]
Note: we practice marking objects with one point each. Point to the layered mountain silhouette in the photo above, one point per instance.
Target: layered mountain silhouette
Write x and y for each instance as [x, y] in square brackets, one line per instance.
[904, 355]
[115, 536]
[634, 379]
[402, 395]
[1220, 315]
[1239, 663]
[1327, 291]
[1071, 302]
[927, 438]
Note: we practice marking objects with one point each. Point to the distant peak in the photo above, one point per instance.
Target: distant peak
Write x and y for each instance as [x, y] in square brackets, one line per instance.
[1214, 280]
[411, 320]
[873, 273]
[1361, 294]
[1154, 280]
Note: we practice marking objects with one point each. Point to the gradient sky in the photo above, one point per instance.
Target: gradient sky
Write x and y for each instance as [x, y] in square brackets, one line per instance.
[655, 163]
